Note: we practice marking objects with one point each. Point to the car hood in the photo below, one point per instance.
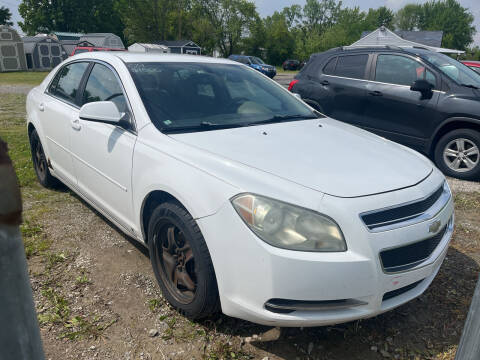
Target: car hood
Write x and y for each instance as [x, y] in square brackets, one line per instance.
[321, 154]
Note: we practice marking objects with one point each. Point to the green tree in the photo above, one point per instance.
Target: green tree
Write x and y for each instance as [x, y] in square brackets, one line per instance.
[280, 44]
[254, 43]
[449, 16]
[320, 14]
[409, 17]
[5, 16]
[293, 15]
[69, 15]
[230, 20]
[378, 17]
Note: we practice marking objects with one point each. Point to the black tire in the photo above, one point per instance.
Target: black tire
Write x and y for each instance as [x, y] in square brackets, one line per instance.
[171, 221]
[445, 163]
[40, 164]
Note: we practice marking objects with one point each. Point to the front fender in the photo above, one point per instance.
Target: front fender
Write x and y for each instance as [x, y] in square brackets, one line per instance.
[201, 193]
[448, 123]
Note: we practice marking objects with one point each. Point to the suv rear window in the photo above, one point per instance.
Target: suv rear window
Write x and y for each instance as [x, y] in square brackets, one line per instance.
[352, 66]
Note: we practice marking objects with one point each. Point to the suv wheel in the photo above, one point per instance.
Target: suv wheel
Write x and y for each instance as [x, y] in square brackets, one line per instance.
[181, 261]
[457, 154]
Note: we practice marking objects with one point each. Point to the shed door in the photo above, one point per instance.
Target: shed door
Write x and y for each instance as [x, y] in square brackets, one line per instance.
[9, 56]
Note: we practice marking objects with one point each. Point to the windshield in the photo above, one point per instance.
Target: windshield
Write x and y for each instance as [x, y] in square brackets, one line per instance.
[256, 60]
[200, 96]
[454, 69]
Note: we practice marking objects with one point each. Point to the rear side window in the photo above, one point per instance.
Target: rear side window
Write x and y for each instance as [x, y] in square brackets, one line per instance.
[103, 85]
[66, 83]
[329, 69]
[352, 66]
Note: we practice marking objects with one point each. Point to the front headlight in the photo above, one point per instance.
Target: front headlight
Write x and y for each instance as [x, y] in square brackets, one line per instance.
[287, 226]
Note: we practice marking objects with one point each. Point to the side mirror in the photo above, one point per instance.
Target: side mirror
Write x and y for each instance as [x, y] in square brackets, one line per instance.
[101, 111]
[422, 86]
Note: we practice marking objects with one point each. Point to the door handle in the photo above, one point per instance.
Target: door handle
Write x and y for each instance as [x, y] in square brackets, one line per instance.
[76, 124]
[325, 82]
[41, 107]
[376, 93]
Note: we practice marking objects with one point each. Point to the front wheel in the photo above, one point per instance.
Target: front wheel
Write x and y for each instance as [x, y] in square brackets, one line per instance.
[457, 154]
[181, 261]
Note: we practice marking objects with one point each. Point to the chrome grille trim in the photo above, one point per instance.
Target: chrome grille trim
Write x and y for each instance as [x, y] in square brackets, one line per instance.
[411, 219]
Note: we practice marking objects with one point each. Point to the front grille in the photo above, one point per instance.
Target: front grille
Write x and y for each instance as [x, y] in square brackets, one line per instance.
[402, 290]
[401, 213]
[406, 257]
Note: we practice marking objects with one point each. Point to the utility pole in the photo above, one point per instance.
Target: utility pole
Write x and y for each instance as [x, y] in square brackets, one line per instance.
[19, 332]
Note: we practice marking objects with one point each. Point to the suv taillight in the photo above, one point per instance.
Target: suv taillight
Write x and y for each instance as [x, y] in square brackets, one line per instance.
[292, 83]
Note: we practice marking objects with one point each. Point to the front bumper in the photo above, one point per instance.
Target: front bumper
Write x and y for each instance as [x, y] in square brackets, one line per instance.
[251, 274]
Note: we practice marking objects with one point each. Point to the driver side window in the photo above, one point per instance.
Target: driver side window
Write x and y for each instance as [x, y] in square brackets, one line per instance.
[103, 85]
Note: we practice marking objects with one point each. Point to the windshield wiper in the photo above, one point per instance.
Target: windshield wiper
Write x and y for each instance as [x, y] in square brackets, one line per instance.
[203, 126]
[281, 118]
[470, 86]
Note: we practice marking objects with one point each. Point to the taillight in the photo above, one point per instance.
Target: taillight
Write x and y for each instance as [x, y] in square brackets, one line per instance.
[292, 83]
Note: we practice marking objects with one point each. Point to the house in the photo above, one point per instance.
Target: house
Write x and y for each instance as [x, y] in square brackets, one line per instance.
[147, 48]
[60, 36]
[43, 52]
[12, 55]
[106, 40]
[181, 47]
[430, 40]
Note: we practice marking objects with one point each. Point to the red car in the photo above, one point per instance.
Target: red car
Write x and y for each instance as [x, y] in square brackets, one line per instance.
[82, 49]
[472, 64]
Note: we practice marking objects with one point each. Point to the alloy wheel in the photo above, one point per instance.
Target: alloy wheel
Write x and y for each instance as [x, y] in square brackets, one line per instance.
[461, 155]
[176, 263]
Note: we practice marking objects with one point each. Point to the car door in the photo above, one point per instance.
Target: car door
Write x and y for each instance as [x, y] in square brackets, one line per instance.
[395, 111]
[340, 89]
[102, 153]
[58, 107]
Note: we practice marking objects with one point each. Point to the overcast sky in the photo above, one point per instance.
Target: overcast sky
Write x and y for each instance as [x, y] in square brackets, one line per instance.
[267, 7]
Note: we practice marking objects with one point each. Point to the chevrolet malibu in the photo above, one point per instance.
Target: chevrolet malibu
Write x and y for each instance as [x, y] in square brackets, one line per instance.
[249, 201]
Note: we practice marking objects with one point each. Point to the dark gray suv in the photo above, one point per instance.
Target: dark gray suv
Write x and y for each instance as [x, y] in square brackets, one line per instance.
[422, 99]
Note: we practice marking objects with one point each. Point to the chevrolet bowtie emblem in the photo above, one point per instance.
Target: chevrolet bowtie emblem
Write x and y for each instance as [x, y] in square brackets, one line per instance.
[435, 226]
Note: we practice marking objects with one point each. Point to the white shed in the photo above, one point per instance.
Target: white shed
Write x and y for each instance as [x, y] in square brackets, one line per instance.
[146, 48]
[105, 40]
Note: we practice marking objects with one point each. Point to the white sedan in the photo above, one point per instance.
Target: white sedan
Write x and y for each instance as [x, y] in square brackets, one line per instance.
[248, 200]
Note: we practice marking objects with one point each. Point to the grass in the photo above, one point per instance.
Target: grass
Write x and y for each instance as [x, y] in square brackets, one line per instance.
[22, 78]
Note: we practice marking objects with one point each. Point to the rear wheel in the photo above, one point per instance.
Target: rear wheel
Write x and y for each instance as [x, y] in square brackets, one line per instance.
[40, 163]
[181, 261]
[457, 154]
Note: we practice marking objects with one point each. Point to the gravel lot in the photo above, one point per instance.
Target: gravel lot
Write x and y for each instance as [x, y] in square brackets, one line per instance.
[96, 295]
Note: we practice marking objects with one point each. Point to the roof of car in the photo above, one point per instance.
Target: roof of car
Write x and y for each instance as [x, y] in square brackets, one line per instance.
[131, 57]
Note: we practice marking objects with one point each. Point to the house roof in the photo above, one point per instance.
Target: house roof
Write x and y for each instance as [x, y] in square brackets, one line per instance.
[383, 36]
[176, 43]
[61, 35]
[429, 38]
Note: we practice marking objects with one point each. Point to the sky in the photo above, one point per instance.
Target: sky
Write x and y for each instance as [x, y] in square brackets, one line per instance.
[267, 7]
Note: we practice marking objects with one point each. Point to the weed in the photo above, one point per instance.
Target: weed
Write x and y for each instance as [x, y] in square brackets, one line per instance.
[54, 259]
[467, 201]
[82, 279]
[154, 304]
[79, 327]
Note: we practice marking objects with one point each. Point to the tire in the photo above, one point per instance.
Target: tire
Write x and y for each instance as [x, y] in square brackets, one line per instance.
[454, 162]
[40, 164]
[172, 229]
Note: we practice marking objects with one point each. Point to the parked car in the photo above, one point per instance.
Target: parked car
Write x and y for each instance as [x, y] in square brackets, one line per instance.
[422, 99]
[83, 49]
[255, 63]
[291, 65]
[474, 65]
[247, 199]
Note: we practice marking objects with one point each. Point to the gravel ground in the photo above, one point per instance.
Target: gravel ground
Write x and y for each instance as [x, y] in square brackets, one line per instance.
[15, 89]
